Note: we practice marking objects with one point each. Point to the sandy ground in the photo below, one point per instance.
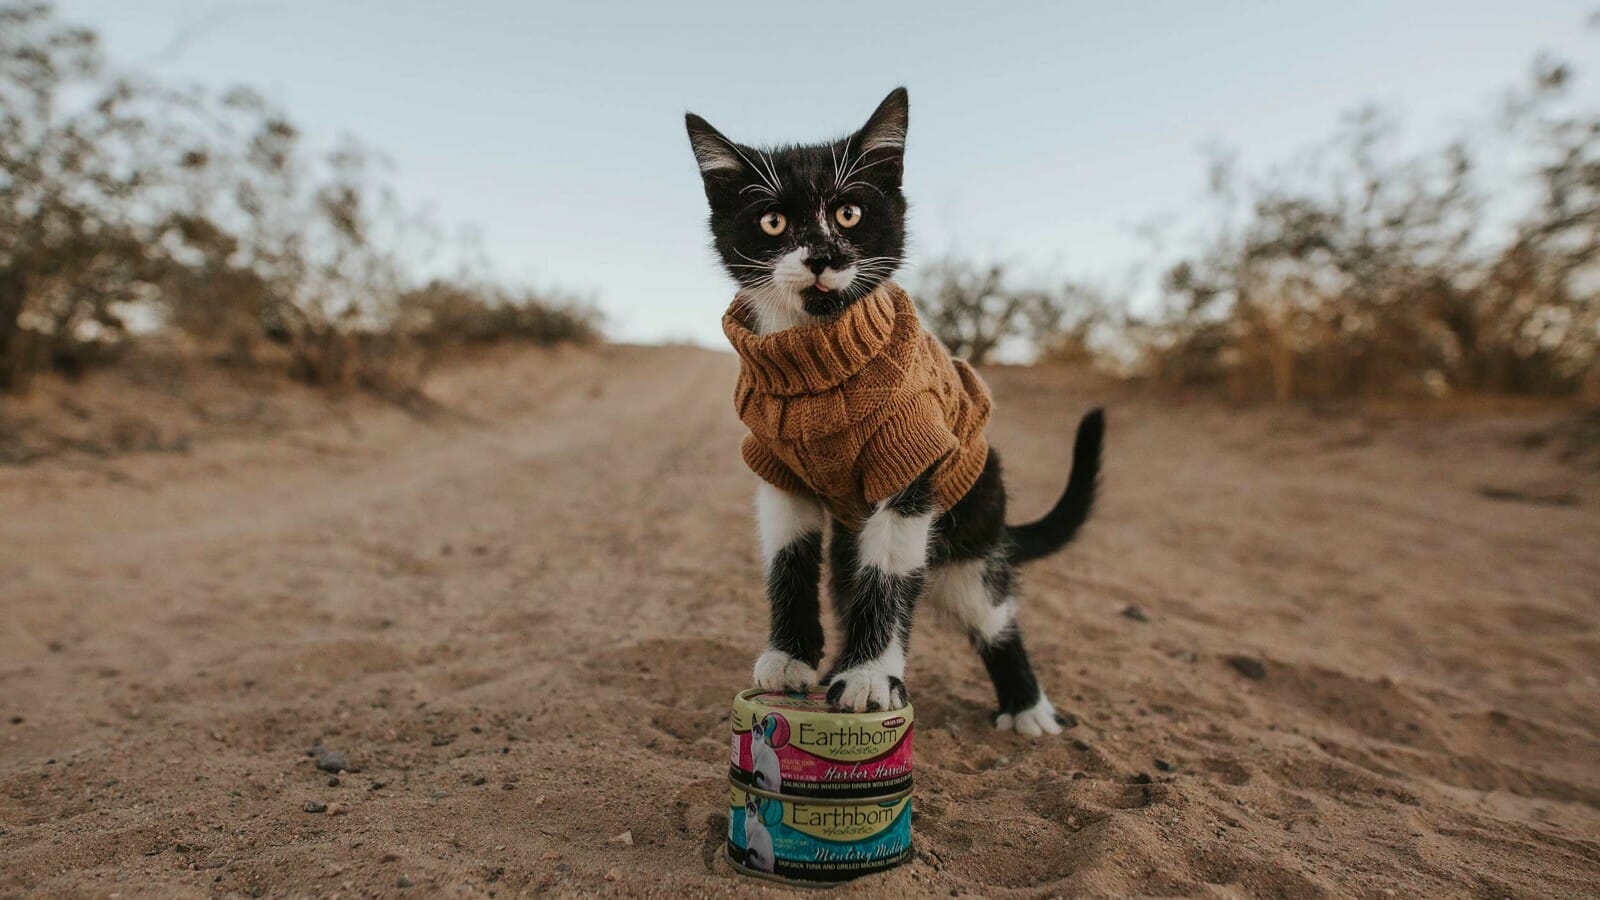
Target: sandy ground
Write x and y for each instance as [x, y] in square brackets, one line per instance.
[521, 623]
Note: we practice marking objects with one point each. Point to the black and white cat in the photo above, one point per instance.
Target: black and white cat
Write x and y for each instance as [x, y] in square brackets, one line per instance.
[807, 231]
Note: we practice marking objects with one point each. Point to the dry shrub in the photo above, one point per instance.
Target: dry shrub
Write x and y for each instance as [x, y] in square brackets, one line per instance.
[126, 205]
[976, 310]
[443, 312]
[1355, 271]
[1366, 273]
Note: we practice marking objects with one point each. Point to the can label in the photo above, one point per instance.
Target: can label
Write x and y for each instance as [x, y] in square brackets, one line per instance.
[816, 841]
[795, 745]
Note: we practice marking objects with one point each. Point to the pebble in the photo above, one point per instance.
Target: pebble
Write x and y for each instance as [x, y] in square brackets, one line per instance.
[333, 781]
[332, 761]
[614, 875]
[337, 809]
[480, 779]
[1248, 666]
[625, 839]
[403, 881]
[312, 806]
[1135, 612]
[1163, 765]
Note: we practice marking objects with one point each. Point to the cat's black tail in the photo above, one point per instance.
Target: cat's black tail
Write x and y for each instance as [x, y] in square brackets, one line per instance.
[1058, 527]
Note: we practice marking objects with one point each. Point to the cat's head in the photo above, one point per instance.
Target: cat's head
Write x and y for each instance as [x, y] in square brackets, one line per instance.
[808, 230]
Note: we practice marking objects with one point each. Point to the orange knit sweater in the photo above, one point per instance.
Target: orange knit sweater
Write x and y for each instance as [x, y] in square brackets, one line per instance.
[854, 409]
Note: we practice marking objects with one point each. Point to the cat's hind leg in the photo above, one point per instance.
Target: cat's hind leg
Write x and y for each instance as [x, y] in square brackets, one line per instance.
[980, 595]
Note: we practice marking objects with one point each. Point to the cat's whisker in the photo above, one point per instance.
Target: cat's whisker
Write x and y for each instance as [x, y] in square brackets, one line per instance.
[862, 184]
[845, 157]
[771, 170]
[858, 168]
[771, 183]
[760, 262]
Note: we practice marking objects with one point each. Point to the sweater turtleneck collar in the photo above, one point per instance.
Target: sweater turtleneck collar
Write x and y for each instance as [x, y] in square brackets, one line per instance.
[811, 359]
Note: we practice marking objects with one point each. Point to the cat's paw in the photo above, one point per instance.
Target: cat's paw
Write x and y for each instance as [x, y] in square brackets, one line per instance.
[865, 689]
[778, 671]
[1038, 719]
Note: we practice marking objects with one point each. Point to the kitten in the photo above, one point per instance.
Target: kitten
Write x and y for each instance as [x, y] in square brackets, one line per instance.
[765, 771]
[807, 232]
[757, 840]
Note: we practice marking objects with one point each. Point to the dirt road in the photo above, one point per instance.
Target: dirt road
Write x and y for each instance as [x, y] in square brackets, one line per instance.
[521, 624]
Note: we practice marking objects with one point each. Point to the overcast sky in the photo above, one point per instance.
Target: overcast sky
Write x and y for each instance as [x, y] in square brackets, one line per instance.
[1044, 136]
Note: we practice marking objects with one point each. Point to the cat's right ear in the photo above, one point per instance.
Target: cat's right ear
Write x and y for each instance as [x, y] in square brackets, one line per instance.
[717, 156]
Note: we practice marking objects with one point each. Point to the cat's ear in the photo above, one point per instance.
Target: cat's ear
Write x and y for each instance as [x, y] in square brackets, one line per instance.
[882, 141]
[717, 156]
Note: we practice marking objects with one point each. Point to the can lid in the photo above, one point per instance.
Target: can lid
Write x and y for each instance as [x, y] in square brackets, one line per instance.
[813, 702]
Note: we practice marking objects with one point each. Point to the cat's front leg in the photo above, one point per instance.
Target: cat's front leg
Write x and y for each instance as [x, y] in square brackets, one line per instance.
[791, 549]
[879, 574]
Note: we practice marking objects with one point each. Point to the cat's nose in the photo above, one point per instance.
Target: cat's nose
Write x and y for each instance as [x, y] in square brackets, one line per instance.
[817, 263]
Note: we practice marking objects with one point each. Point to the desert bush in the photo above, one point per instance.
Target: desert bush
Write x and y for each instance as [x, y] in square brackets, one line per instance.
[975, 309]
[462, 311]
[77, 161]
[209, 214]
[1356, 269]
[1364, 272]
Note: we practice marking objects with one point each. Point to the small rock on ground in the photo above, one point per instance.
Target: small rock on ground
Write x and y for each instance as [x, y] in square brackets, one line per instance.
[1248, 666]
[332, 761]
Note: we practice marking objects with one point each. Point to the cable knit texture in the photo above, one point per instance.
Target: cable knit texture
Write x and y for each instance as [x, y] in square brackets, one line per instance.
[854, 409]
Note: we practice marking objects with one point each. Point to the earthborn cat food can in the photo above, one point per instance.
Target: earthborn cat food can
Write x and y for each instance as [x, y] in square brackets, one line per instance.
[817, 796]
[816, 841]
[793, 745]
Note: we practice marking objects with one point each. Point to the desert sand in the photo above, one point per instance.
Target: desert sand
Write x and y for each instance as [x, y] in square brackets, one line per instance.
[1343, 653]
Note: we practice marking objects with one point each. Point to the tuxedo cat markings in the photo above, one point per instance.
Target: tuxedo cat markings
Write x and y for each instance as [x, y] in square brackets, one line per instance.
[811, 234]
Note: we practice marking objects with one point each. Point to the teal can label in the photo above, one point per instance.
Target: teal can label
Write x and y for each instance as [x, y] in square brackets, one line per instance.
[800, 839]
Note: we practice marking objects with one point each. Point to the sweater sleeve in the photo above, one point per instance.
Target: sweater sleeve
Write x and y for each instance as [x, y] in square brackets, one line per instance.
[770, 468]
[907, 444]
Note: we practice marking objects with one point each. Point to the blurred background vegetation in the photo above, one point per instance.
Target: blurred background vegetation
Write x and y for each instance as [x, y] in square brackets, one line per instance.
[1354, 271]
[130, 208]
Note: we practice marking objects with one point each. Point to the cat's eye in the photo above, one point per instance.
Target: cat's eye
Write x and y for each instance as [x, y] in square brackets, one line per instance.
[847, 215]
[774, 223]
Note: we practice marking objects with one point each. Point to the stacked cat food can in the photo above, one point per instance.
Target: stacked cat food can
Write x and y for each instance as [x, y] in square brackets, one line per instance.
[817, 796]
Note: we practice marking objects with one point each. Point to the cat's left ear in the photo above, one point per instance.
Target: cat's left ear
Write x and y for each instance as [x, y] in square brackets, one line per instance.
[882, 141]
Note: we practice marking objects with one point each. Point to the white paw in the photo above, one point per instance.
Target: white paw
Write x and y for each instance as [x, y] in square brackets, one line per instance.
[866, 689]
[1036, 720]
[778, 671]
